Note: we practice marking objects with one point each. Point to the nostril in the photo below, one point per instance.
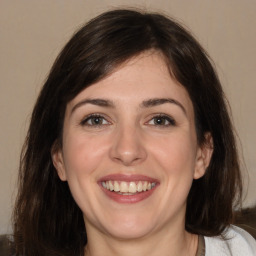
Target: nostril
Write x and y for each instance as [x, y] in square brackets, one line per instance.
[128, 157]
[127, 147]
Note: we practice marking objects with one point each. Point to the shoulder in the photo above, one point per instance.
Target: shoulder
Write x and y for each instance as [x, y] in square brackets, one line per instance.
[234, 242]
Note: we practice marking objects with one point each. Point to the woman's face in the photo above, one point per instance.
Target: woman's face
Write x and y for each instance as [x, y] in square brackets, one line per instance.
[130, 150]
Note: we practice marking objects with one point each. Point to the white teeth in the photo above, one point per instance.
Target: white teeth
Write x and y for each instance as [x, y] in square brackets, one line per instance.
[139, 186]
[104, 184]
[145, 185]
[111, 187]
[124, 188]
[132, 187]
[127, 188]
[116, 186]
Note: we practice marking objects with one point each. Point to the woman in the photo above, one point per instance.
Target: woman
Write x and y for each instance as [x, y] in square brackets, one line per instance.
[130, 149]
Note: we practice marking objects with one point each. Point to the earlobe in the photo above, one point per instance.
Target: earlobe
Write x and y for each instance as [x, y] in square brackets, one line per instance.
[204, 155]
[57, 159]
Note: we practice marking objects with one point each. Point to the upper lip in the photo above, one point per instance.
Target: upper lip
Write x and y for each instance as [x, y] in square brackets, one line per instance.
[127, 178]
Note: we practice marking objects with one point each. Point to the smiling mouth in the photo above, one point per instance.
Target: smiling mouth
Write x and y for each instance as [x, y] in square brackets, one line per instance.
[128, 188]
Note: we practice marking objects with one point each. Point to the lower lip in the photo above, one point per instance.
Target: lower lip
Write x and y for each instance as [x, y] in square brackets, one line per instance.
[128, 199]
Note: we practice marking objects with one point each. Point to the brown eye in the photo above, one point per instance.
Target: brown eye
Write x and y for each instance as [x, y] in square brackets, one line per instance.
[162, 121]
[94, 120]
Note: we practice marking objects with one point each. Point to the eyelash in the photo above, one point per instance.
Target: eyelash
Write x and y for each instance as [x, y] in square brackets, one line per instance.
[85, 121]
[162, 117]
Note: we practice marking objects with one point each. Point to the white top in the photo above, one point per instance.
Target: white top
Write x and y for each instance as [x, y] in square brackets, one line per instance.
[237, 243]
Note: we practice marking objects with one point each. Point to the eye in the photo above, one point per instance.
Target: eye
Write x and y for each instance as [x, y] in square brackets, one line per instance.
[94, 120]
[162, 120]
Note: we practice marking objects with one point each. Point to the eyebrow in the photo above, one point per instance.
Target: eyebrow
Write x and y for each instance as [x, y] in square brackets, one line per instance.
[160, 101]
[145, 104]
[97, 102]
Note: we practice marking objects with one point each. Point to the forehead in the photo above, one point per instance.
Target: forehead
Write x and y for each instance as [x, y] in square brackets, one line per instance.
[142, 77]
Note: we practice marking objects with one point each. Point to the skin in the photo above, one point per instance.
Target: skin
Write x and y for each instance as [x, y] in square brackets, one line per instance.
[129, 141]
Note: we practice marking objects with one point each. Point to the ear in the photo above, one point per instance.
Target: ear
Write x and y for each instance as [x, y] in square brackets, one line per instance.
[58, 161]
[203, 157]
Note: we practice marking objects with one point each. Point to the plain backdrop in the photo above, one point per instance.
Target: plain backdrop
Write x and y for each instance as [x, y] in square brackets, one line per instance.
[33, 32]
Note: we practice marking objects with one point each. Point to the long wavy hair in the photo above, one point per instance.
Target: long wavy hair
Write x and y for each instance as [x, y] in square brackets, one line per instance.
[46, 219]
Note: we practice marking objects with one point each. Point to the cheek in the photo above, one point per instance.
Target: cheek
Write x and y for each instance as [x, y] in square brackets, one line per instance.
[176, 154]
[83, 154]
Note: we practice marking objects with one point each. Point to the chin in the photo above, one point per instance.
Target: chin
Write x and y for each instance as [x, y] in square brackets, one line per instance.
[129, 232]
[132, 227]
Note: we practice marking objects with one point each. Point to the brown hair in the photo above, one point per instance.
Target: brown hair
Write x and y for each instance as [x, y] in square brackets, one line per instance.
[47, 221]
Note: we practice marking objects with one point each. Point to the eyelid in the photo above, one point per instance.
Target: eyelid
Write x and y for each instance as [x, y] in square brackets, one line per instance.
[85, 119]
[169, 118]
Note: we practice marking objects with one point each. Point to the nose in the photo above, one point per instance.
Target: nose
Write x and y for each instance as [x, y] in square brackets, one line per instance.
[127, 147]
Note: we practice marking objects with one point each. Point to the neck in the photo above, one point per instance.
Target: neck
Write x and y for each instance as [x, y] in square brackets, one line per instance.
[176, 244]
